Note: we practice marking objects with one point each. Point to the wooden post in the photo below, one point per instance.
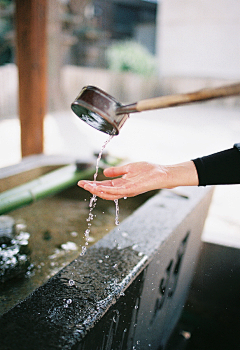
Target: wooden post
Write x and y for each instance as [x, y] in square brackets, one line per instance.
[32, 67]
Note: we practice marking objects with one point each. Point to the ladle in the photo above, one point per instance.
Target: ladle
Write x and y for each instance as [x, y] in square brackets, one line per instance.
[104, 113]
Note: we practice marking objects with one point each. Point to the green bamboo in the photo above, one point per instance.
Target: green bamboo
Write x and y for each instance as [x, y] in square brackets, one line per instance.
[45, 185]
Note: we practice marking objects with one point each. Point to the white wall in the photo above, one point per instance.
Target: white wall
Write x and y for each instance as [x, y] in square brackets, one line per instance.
[199, 38]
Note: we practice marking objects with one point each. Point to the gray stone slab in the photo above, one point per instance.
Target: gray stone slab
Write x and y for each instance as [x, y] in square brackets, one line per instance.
[126, 292]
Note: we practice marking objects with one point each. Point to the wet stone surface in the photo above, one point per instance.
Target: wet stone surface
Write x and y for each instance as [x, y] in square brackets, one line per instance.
[84, 307]
[14, 250]
[58, 314]
[7, 229]
[56, 226]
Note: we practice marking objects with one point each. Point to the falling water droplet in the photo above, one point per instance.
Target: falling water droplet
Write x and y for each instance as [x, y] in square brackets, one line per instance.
[117, 212]
[84, 249]
[71, 283]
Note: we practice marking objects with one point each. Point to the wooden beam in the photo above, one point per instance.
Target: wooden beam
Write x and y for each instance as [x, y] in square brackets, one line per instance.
[32, 67]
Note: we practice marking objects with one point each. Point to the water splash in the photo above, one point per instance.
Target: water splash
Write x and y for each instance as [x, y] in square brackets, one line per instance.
[71, 282]
[93, 199]
[67, 303]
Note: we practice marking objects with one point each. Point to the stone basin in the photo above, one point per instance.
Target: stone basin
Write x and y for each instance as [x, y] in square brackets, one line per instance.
[127, 291]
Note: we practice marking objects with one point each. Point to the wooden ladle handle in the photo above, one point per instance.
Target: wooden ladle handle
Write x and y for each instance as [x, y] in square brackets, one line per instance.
[180, 99]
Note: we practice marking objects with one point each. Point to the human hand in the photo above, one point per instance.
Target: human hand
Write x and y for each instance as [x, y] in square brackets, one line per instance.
[137, 178]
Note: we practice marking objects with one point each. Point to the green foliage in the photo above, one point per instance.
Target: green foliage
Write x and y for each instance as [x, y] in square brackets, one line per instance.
[4, 3]
[132, 57]
[6, 29]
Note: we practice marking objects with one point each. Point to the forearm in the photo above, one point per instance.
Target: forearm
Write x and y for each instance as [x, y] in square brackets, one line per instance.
[183, 174]
[220, 168]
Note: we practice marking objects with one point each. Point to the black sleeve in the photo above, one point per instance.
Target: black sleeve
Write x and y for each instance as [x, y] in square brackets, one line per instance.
[222, 168]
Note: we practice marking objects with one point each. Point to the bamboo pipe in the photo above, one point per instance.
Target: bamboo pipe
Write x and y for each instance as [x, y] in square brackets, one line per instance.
[45, 185]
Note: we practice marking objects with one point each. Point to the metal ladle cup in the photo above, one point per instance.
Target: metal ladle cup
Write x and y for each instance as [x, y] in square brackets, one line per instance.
[104, 113]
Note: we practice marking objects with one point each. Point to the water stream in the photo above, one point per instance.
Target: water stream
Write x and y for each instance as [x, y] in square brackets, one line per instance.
[93, 200]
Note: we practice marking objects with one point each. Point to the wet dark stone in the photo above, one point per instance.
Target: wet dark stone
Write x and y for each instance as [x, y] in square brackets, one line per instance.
[12, 264]
[14, 260]
[7, 229]
[114, 298]
[70, 303]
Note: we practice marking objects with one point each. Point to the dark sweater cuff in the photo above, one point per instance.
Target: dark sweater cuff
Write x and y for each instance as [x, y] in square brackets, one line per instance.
[220, 168]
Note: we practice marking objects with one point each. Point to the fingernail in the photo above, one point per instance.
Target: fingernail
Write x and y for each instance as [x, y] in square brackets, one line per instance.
[81, 183]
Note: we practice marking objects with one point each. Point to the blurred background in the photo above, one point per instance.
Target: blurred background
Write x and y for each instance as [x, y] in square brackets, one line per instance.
[132, 49]
[87, 41]
[120, 44]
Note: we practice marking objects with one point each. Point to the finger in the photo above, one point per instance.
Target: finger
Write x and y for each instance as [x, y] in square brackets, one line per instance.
[95, 189]
[108, 196]
[109, 192]
[115, 171]
[115, 191]
[118, 182]
[102, 194]
[83, 183]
